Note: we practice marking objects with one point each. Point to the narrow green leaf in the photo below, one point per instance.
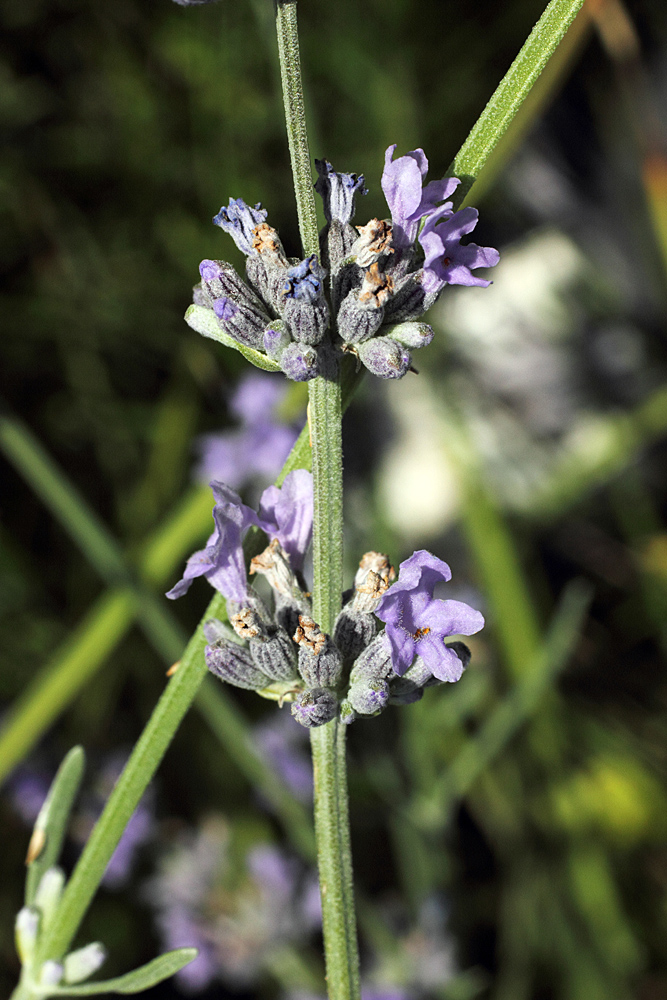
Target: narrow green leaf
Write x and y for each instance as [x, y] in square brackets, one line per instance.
[203, 321]
[51, 824]
[136, 981]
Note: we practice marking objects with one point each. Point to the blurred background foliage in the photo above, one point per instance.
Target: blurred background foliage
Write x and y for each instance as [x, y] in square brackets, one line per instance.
[510, 834]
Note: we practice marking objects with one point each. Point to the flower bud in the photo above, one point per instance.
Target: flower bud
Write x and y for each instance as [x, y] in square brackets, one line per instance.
[299, 362]
[83, 962]
[26, 929]
[410, 300]
[353, 630]
[384, 357]
[240, 313]
[320, 664]
[411, 335]
[368, 698]
[346, 713]
[267, 266]
[48, 894]
[362, 311]
[273, 564]
[315, 707]
[234, 664]
[374, 664]
[51, 973]
[305, 309]
[270, 647]
[276, 338]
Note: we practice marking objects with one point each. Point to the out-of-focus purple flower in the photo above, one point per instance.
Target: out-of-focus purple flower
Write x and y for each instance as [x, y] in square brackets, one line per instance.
[236, 918]
[447, 262]
[259, 447]
[285, 513]
[417, 623]
[221, 562]
[28, 789]
[284, 743]
[408, 202]
[239, 220]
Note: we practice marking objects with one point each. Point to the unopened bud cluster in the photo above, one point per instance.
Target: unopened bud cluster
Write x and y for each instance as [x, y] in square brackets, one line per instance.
[371, 287]
[285, 655]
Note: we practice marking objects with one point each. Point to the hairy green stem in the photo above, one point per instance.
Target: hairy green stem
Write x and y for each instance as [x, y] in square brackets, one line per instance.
[332, 823]
[295, 117]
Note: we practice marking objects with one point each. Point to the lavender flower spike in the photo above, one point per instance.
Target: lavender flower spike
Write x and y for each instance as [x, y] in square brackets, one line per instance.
[408, 203]
[221, 562]
[239, 220]
[418, 623]
[446, 261]
[338, 191]
[286, 513]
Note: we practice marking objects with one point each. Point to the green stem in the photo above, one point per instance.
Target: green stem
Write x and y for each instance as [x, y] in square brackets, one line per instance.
[332, 824]
[332, 829]
[295, 117]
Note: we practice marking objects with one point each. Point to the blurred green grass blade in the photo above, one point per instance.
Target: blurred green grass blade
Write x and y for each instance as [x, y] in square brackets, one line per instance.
[227, 722]
[514, 710]
[62, 677]
[25, 452]
[599, 447]
[514, 617]
[511, 92]
[51, 823]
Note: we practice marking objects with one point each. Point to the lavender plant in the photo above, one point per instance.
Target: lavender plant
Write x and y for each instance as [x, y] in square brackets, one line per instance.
[358, 291]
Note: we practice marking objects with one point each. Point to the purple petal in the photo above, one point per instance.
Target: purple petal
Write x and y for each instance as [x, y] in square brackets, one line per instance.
[286, 513]
[441, 661]
[452, 618]
[402, 648]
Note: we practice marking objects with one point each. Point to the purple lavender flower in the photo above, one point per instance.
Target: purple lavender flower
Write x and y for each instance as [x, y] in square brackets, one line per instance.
[304, 280]
[259, 447]
[239, 220]
[236, 918]
[286, 513]
[337, 191]
[28, 790]
[447, 262]
[408, 202]
[417, 623]
[221, 562]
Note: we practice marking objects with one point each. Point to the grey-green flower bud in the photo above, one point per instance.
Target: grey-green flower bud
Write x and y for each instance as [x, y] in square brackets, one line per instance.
[320, 664]
[369, 698]
[353, 630]
[234, 664]
[374, 664]
[26, 929]
[83, 962]
[410, 335]
[384, 357]
[315, 707]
